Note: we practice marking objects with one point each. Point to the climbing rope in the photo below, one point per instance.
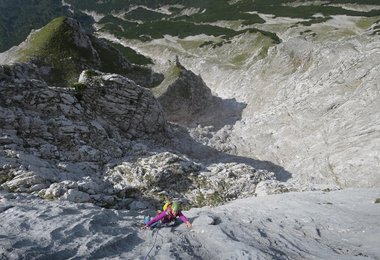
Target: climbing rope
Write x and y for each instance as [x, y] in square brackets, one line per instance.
[146, 257]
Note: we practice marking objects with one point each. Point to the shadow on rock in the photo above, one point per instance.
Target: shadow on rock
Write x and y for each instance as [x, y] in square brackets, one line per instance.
[184, 143]
[220, 112]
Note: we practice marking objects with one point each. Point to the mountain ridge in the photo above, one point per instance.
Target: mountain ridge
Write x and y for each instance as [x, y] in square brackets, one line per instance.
[65, 49]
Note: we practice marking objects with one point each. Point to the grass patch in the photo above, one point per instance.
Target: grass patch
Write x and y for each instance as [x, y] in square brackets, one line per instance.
[215, 199]
[366, 23]
[79, 86]
[200, 200]
[260, 47]
[239, 59]
[188, 44]
[54, 45]
[90, 73]
[170, 76]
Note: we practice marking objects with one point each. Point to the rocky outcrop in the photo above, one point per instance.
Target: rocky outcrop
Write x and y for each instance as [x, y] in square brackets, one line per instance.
[51, 135]
[188, 101]
[131, 109]
[168, 174]
[118, 105]
[184, 97]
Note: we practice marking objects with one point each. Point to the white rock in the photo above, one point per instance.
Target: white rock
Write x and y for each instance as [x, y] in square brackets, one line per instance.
[76, 196]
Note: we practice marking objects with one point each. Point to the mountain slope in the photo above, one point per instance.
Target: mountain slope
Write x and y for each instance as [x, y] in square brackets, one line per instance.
[64, 49]
[312, 100]
[281, 96]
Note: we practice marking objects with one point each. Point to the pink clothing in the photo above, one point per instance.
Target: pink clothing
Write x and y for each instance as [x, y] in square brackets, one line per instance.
[166, 217]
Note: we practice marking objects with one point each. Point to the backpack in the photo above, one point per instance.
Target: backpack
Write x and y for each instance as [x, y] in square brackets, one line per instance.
[167, 203]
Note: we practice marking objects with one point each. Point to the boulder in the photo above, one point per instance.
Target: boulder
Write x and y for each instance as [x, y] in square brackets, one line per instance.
[76, 196]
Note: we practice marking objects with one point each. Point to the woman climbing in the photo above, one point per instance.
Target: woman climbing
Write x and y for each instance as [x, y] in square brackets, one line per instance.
[170, 212]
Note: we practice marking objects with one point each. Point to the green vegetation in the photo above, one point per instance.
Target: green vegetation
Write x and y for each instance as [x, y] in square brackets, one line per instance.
[215, 10]
[200, 200]
[79, 86]
[112, 20]
[170, 76]
[377, 200]
[49, 197]
[216, 199]
[157, 29]
[91, 73]
[239, 59]
[54, 45]
[131, 54]
[220, 10]
[366, 23]
[45, 196]
[190, 44]
[19, 17]
[5, 178]
[283, 9]
[155, 25]
[7, 69]
[213, 199]
[315, 21]
[142, 14]
[114, 61]
[111, 60]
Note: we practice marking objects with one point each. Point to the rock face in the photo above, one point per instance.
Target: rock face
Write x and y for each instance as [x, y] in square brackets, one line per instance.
[77, 144]
[131, 109]
[51, 134]
[116, 103]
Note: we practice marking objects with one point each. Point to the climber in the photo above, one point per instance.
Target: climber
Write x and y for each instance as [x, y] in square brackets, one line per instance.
[171, 210]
